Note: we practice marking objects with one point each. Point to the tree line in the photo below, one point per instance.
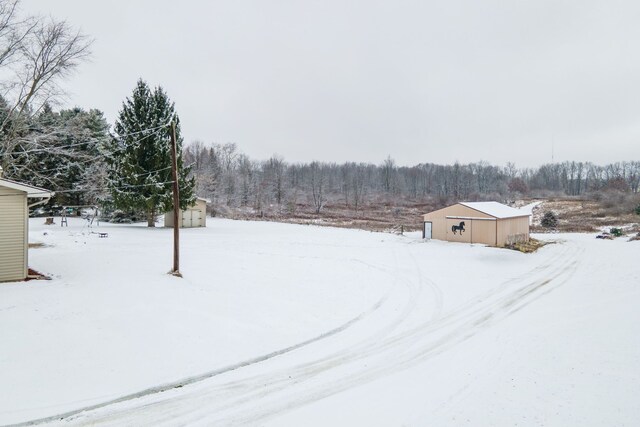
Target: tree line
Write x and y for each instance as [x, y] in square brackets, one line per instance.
[233, 180]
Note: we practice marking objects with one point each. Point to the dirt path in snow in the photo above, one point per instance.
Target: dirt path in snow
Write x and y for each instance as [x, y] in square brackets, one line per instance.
[406, 328]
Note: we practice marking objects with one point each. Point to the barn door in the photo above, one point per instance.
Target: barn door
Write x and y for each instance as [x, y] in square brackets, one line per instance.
[196, 218]
[459, 230]
[186, 219]
[426, 232]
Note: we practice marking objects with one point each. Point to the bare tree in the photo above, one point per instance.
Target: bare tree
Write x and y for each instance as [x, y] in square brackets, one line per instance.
[357, 184]
[35, 55]
[317, 178]
[389, 172]
[274, 171]
[13, 31]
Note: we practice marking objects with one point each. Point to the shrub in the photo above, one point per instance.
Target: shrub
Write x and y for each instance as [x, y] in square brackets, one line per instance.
[617, 232]
[549, 220]
[637, 210]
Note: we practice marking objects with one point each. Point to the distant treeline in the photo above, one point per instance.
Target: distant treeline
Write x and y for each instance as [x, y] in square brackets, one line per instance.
[65, 152]
[232, 180]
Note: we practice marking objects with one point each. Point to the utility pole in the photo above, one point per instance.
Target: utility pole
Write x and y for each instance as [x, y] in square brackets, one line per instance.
[176, 204]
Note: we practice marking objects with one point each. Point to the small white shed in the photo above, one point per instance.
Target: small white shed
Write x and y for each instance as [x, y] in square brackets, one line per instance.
[14, 227]
[193, 216]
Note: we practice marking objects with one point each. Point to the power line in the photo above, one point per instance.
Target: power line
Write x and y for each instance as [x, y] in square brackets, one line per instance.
[99, 156]
[154, 130]
[94, 158]
[166, 125]
[61, 147]
[77, 190]
[39, 150]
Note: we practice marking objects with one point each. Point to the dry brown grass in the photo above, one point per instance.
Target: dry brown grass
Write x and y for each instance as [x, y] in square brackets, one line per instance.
[381, 216]
[585, 215]
[588, 215]
[528, 247]
[37, 245]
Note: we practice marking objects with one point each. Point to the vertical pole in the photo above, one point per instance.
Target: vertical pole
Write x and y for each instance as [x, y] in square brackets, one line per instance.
[176, 203]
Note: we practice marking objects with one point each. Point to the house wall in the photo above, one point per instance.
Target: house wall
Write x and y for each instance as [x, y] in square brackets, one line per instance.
[13, 235]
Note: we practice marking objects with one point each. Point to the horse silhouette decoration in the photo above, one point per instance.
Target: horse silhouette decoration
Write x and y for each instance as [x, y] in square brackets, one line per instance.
[459, 227]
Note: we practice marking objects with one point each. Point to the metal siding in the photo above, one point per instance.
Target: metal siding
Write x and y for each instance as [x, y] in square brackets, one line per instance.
[458, 235]
[13, 235]
[512, 228]
[483, 232]
[494, 232]
[441, 227]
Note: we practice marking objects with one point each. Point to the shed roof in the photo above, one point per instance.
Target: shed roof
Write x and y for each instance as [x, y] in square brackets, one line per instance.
[495, 209]
[35, 192]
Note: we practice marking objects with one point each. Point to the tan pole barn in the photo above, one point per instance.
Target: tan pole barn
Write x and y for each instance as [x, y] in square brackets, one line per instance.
[14, 227]
[490, 223]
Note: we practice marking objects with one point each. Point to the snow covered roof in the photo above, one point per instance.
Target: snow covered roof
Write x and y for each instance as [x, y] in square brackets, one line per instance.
[495, 209]
[29, 189]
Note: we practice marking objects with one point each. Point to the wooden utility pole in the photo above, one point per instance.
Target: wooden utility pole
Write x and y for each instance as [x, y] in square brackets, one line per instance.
[176, 204]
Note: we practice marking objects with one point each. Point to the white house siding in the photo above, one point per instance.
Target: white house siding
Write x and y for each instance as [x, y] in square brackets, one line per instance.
[13, 235]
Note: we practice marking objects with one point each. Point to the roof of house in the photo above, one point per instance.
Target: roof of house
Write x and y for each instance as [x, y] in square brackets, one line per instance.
[495, 209]
[31, 191]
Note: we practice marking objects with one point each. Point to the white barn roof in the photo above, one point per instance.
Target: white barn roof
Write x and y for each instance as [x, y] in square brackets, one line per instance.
[495, 209]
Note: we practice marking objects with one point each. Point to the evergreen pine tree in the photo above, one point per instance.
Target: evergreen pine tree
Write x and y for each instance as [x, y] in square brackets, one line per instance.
[57, 149]
[140, 155]
[549, 220]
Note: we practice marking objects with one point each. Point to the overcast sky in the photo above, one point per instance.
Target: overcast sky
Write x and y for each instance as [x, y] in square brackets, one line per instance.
[422, 81]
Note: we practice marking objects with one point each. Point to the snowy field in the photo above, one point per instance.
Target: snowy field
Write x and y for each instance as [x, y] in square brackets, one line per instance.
[289, 325]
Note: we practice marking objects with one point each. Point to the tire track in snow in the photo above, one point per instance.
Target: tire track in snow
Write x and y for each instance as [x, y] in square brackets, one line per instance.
[201, 377]
[263, 393]
[456, 326]
[471, 327]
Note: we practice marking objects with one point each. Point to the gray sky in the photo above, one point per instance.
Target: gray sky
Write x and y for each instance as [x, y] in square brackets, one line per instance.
[422, 81]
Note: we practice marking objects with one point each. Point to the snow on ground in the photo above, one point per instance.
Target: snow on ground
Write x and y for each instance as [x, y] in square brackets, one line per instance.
[385, 330]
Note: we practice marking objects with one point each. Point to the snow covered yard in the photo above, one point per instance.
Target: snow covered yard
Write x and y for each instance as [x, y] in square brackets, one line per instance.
[374, 329]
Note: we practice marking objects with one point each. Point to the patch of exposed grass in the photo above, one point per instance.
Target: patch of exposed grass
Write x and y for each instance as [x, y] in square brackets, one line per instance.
[38, 245]
[527, 247]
